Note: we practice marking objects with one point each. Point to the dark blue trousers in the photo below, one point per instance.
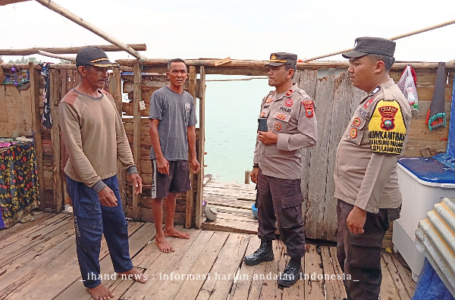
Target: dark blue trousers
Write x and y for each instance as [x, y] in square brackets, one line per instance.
[91, 220]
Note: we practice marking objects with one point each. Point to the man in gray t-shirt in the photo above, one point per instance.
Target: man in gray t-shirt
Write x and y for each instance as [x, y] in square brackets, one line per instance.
[172, 120]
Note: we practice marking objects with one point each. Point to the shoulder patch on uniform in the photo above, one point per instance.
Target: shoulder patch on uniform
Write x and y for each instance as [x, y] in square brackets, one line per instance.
[387, 129]
[289, 93]
[70, 97]
[309, 108]
[367, 103]
[268, 100]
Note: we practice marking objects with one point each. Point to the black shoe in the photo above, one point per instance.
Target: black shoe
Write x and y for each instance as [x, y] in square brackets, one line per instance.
[291, 274]
[264, 253]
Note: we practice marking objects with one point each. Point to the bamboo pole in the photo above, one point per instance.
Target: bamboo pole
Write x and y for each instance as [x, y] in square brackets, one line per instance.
[68, 50]
[392, 39]
[65, 57]
[137, 132]
[78, 20]
[6, 2]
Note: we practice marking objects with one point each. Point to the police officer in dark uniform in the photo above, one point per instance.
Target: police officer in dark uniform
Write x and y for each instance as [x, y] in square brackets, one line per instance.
[277, 166]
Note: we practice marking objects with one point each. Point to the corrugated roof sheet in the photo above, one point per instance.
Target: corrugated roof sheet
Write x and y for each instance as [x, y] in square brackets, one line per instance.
[435, 238]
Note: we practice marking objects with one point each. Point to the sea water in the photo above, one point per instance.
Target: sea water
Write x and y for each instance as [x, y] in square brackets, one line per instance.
[231, 112]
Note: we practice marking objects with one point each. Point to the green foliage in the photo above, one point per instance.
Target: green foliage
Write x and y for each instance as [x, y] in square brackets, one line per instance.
[26, 60]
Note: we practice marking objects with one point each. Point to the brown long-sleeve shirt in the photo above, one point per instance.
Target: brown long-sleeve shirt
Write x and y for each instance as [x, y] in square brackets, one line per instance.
[94, 137]
[366, 161]
[291, 116]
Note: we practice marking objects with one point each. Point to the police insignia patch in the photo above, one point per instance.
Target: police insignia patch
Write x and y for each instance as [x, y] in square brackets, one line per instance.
[262, 114]
[273, 56]
[308, 104]
[281, 117]
[368, 103]
[289, 93]
[353, 133]
[356, 122]
[387, 130]
[277, 126]
[288, 102]
[268, 100]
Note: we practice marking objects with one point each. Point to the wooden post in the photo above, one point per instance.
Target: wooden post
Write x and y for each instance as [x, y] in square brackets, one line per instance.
[78, 20]
[137, 130]
[55, 137]
[115, 89]
[247, 176]
[36, 128]
[201, 143]
[190, 193]
[65, 86]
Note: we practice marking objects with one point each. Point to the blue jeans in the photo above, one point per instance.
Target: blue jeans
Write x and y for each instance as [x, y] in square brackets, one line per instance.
[91, 220]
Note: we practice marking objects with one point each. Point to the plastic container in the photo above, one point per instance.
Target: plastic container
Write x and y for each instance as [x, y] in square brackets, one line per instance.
[255, 210]
[423, 181]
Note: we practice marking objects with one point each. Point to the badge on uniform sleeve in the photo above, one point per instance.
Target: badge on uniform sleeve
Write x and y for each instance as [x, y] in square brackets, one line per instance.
[289, 93]
[288, 102]
[353, 133]
[387, 129]
[268, 100]
[365, 106]
[356, 122]
[277, 126]
[309, 108]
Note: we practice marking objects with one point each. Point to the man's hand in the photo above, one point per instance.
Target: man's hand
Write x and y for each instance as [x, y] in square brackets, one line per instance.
[195, 165]
[163, 165]
[107, 197]
[137, 183]
[356, 220]
[268, 137]
[254, 175]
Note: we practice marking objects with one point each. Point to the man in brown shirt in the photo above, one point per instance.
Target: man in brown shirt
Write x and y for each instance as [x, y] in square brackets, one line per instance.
[366, 183]
[277, 169]
[94, 137]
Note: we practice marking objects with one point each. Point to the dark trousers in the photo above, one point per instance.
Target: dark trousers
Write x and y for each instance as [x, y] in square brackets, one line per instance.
[281, 200]
[359, 255]
[91, 220]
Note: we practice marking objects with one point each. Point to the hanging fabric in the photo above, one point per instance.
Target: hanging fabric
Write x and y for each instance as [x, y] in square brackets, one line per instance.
[47, 118]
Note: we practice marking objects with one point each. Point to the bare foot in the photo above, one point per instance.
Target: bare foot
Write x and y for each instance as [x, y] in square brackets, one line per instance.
[175, 233]
[163, 244]
[134, 274]
[100, 292]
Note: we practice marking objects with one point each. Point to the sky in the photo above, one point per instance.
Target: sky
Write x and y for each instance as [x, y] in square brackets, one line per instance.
[240, 29]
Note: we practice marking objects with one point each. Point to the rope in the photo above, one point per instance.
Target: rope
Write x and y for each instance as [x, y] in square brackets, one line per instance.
[392, 39]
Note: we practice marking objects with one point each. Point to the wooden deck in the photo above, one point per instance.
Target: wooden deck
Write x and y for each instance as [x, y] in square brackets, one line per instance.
[39, 261]
[233, 203]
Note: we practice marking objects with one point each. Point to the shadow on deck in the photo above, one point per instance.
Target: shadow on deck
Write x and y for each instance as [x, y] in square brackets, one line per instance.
[39, 262]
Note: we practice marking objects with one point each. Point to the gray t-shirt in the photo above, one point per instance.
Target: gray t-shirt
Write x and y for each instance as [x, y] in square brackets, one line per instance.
[176, 113]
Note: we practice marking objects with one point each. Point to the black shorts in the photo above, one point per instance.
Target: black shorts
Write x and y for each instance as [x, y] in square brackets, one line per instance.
[178, 180]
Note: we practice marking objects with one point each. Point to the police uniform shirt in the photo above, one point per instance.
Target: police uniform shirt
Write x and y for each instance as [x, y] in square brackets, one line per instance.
[366, 161]
[291, 116]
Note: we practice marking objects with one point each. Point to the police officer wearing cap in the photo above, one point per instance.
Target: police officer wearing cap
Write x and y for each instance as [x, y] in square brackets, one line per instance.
[277, 170]
[366, 183]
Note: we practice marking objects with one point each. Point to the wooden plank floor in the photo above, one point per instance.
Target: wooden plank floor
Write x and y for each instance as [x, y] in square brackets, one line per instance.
[233, 203]
[39, 262]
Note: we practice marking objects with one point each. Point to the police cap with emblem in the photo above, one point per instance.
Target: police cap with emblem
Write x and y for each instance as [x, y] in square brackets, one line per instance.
[93, 56]
[282, 58]
[371, 45]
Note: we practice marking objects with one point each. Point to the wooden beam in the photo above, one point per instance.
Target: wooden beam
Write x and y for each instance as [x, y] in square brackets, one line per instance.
[6, 2]
[68, 50]
[259, 64]
[65, 57]
[201, 143]
[137, 131]
[36, 128]
[78, 20]
[55, 137]
[115, 89]
[190, 193]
